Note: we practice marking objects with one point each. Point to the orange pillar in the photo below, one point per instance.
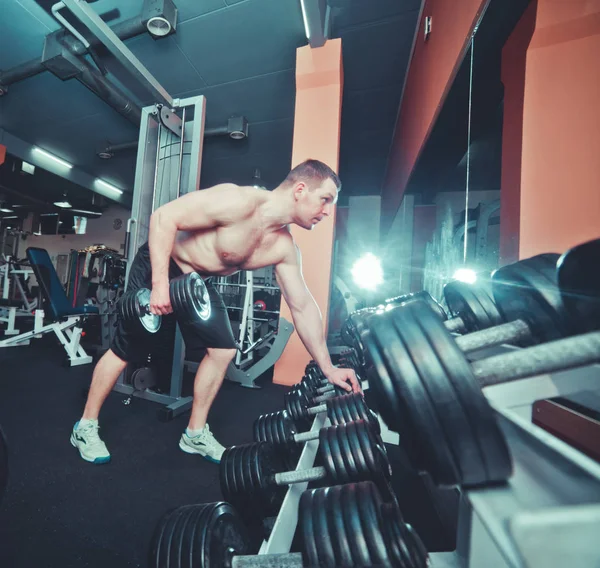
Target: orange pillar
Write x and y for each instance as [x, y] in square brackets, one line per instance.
[319, 82]
[2, 153]
[514, 59]
[560, 172]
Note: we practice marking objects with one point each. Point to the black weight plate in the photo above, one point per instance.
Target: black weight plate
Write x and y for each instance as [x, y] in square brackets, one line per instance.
[464, 302]
[369, 505]
[362, 412]
[372, 447]
[144, 378]
[360, 457]
[336, 455]
[422, 427]
[318, 546]
[162, 541]
[186, 532]
[339, 527]
[355, 517]
[287, 429]
[483, 292]
[293, 405]
[490, 440]
[390, 406]
[204, 535]
[578, 272]
[230, 475]
[259, 429]
[226, 536]
[190, 299]
[192, 533]
[3, 464]
[404, 545]
[268, 462]
[432, 303]
[427, 357]
[528, 290]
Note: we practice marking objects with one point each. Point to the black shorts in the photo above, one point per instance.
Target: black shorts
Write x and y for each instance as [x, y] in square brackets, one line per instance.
[137, 346]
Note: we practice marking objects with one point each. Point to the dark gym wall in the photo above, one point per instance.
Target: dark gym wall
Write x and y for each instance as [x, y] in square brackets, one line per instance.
[432, 69]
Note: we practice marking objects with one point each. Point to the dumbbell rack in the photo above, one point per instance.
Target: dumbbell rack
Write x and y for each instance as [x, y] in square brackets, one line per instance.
[547, 515]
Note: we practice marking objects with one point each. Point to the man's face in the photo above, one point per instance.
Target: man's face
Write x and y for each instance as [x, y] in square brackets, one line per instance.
[313, 205]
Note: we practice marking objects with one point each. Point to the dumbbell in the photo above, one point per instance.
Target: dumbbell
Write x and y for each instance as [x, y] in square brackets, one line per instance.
[578, 275]
[349, 360]
[472, 305]
[339, 409]
[189, 299]
[362, 530]
[3, 464]
[279, 430]
[535, 314]
[431, 395]
[315, 383]
[254, 478]
[530, 301]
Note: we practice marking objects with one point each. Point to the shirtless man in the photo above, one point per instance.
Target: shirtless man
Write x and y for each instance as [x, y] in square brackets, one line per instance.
[216, 232]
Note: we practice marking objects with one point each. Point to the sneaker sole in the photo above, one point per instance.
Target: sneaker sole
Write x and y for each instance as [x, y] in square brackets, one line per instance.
[185, 448]
[95, 460]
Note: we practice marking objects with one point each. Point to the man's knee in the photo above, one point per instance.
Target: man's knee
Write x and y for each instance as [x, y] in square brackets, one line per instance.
[224, 356]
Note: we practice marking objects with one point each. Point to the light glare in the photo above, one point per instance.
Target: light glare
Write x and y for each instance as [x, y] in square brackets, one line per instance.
[465, 275]
[367, 272]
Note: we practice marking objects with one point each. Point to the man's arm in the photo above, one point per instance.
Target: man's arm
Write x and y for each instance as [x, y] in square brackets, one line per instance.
[198, 210]
[307, 318]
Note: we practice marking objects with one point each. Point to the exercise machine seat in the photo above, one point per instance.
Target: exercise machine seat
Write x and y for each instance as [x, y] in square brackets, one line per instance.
[55, 299]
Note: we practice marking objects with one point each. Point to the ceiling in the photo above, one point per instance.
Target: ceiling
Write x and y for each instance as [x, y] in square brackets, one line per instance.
[240, 54]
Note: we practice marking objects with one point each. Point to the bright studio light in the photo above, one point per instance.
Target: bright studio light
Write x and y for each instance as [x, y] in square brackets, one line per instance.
[367, 272]
[465, 275]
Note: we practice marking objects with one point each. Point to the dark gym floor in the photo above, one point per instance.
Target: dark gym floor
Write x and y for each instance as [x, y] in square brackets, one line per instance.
[62, 512]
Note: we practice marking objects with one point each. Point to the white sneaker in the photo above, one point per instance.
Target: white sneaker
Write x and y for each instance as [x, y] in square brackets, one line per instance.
[87, 441]
[203, 444]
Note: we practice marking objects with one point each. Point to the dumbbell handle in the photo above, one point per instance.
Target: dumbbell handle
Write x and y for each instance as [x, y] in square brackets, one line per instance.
[550, 357]
[497, 335]
[316, 409]
[298, 476]
[455, 325]
[306, 436]
[288, 560]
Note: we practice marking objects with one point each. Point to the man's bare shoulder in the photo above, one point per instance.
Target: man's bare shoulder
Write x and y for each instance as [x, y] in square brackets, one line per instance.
[236, 201]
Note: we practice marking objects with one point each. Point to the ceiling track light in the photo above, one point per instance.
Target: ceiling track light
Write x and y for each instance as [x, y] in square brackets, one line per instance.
[51, 157]
[106, 185]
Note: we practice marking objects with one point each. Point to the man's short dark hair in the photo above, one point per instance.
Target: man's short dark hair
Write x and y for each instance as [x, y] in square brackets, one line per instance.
[314, 173]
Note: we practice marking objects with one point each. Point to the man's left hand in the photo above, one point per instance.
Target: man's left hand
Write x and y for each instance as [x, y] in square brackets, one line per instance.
[345, 378]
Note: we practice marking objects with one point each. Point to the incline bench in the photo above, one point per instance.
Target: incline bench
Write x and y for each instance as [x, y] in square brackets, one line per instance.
[64, 320]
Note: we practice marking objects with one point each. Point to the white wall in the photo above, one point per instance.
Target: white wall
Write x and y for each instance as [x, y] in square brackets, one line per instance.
[398, 247]
[99, 231]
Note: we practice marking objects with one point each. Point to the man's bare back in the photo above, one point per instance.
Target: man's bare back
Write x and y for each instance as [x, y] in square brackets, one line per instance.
[241, 242]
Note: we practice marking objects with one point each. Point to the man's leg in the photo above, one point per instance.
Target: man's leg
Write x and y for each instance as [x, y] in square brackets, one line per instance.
[105, 376]
[85, 436]
[209, 378]
[208, 381]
